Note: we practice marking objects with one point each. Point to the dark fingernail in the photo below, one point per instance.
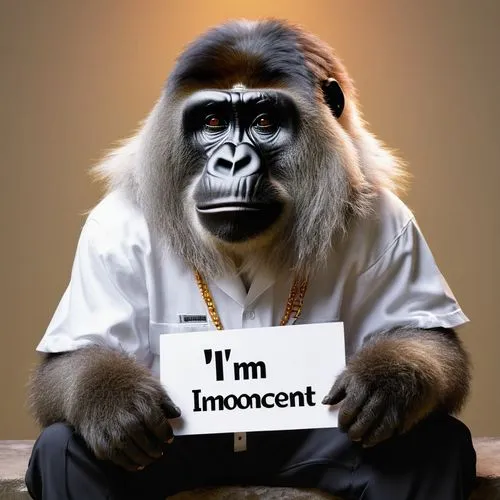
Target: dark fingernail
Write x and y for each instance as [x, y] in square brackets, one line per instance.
[170, 441]
[141, 467]
[325, 400]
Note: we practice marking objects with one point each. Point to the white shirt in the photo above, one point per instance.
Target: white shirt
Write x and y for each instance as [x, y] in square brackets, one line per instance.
[125, 291]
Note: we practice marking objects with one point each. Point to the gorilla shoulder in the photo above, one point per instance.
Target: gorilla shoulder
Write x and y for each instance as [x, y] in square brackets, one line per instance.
[116, 224]
[370, 237]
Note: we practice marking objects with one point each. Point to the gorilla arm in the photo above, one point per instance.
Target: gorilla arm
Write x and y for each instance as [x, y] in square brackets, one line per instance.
[98, 385]
[396, 379]
[114, 403]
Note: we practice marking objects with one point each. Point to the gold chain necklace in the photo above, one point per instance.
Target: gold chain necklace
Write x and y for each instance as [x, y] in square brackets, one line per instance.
[293, 304]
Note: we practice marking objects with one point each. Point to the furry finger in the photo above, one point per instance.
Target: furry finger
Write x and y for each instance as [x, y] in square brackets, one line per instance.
[367, 418]
[356, 398]
[383, 430]
[136, 455]
[160, 428]
[119, 458]
[169, 408]
[337, 392]
[138, 434]
[148, 443]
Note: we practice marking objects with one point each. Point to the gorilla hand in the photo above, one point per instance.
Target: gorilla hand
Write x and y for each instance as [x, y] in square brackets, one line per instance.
[395, 380]
[128, 424]
[116, 405]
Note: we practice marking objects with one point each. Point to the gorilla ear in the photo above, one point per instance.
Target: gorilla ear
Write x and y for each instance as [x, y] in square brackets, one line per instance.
[334, 96]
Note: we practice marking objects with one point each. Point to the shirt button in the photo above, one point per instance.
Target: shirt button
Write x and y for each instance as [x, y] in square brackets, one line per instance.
[249, 315]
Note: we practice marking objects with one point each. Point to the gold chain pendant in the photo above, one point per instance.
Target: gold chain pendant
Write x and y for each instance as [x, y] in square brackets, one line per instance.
[293, 304]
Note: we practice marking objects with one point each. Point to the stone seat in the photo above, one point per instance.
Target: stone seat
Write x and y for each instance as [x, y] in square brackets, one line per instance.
[14, 457]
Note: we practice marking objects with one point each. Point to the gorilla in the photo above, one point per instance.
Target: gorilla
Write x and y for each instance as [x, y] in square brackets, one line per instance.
[253, 195]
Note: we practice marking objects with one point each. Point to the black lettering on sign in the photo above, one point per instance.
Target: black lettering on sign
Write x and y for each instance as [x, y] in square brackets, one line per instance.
[219, 363]
[247, 401]
[281, 400]
[253, 366]
[196, 394]
[230, 402]
[309, 395]
[265, 404]
[246, 370]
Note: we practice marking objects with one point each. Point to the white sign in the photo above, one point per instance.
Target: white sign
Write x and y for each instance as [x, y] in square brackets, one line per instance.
[253, 379]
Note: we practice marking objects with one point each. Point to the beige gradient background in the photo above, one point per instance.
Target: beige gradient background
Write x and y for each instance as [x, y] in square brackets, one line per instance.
[75, 76]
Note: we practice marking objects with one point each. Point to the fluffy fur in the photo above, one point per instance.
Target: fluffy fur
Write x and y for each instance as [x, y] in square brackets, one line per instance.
[332, 174]
[398, 378]
[109, 399]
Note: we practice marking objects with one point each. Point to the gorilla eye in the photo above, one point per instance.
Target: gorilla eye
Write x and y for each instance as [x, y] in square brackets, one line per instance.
[265, 123]
[215, 122]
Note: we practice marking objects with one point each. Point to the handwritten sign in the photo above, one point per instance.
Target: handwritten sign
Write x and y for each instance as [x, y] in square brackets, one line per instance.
[253, 379]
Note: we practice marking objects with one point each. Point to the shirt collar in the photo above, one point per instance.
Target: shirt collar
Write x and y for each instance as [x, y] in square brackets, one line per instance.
[232, 285]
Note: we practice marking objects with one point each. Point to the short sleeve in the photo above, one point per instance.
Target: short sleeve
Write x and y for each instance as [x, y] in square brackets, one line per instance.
[402, 288]
[105, 301]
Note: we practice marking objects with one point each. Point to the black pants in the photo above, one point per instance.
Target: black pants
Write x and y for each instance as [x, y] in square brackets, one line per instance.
[434, 461]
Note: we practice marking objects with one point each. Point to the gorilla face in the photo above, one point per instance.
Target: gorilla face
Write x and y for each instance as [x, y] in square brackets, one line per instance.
[241, 134]
[248, 158]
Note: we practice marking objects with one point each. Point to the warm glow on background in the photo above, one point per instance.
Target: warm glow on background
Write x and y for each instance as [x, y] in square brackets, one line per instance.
[78, 76]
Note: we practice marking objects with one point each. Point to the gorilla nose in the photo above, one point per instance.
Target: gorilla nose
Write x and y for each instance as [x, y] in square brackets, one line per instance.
[234, 161]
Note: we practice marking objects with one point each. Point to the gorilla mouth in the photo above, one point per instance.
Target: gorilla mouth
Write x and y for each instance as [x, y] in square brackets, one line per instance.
[236, 220]
[232, 206]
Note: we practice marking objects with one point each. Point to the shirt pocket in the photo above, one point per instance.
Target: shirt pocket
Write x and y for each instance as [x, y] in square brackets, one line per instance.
[157, 329]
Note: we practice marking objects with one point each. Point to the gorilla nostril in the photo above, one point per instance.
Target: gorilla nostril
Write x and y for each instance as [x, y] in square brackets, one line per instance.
[242, 162]
[223, 166]
[234, 161]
